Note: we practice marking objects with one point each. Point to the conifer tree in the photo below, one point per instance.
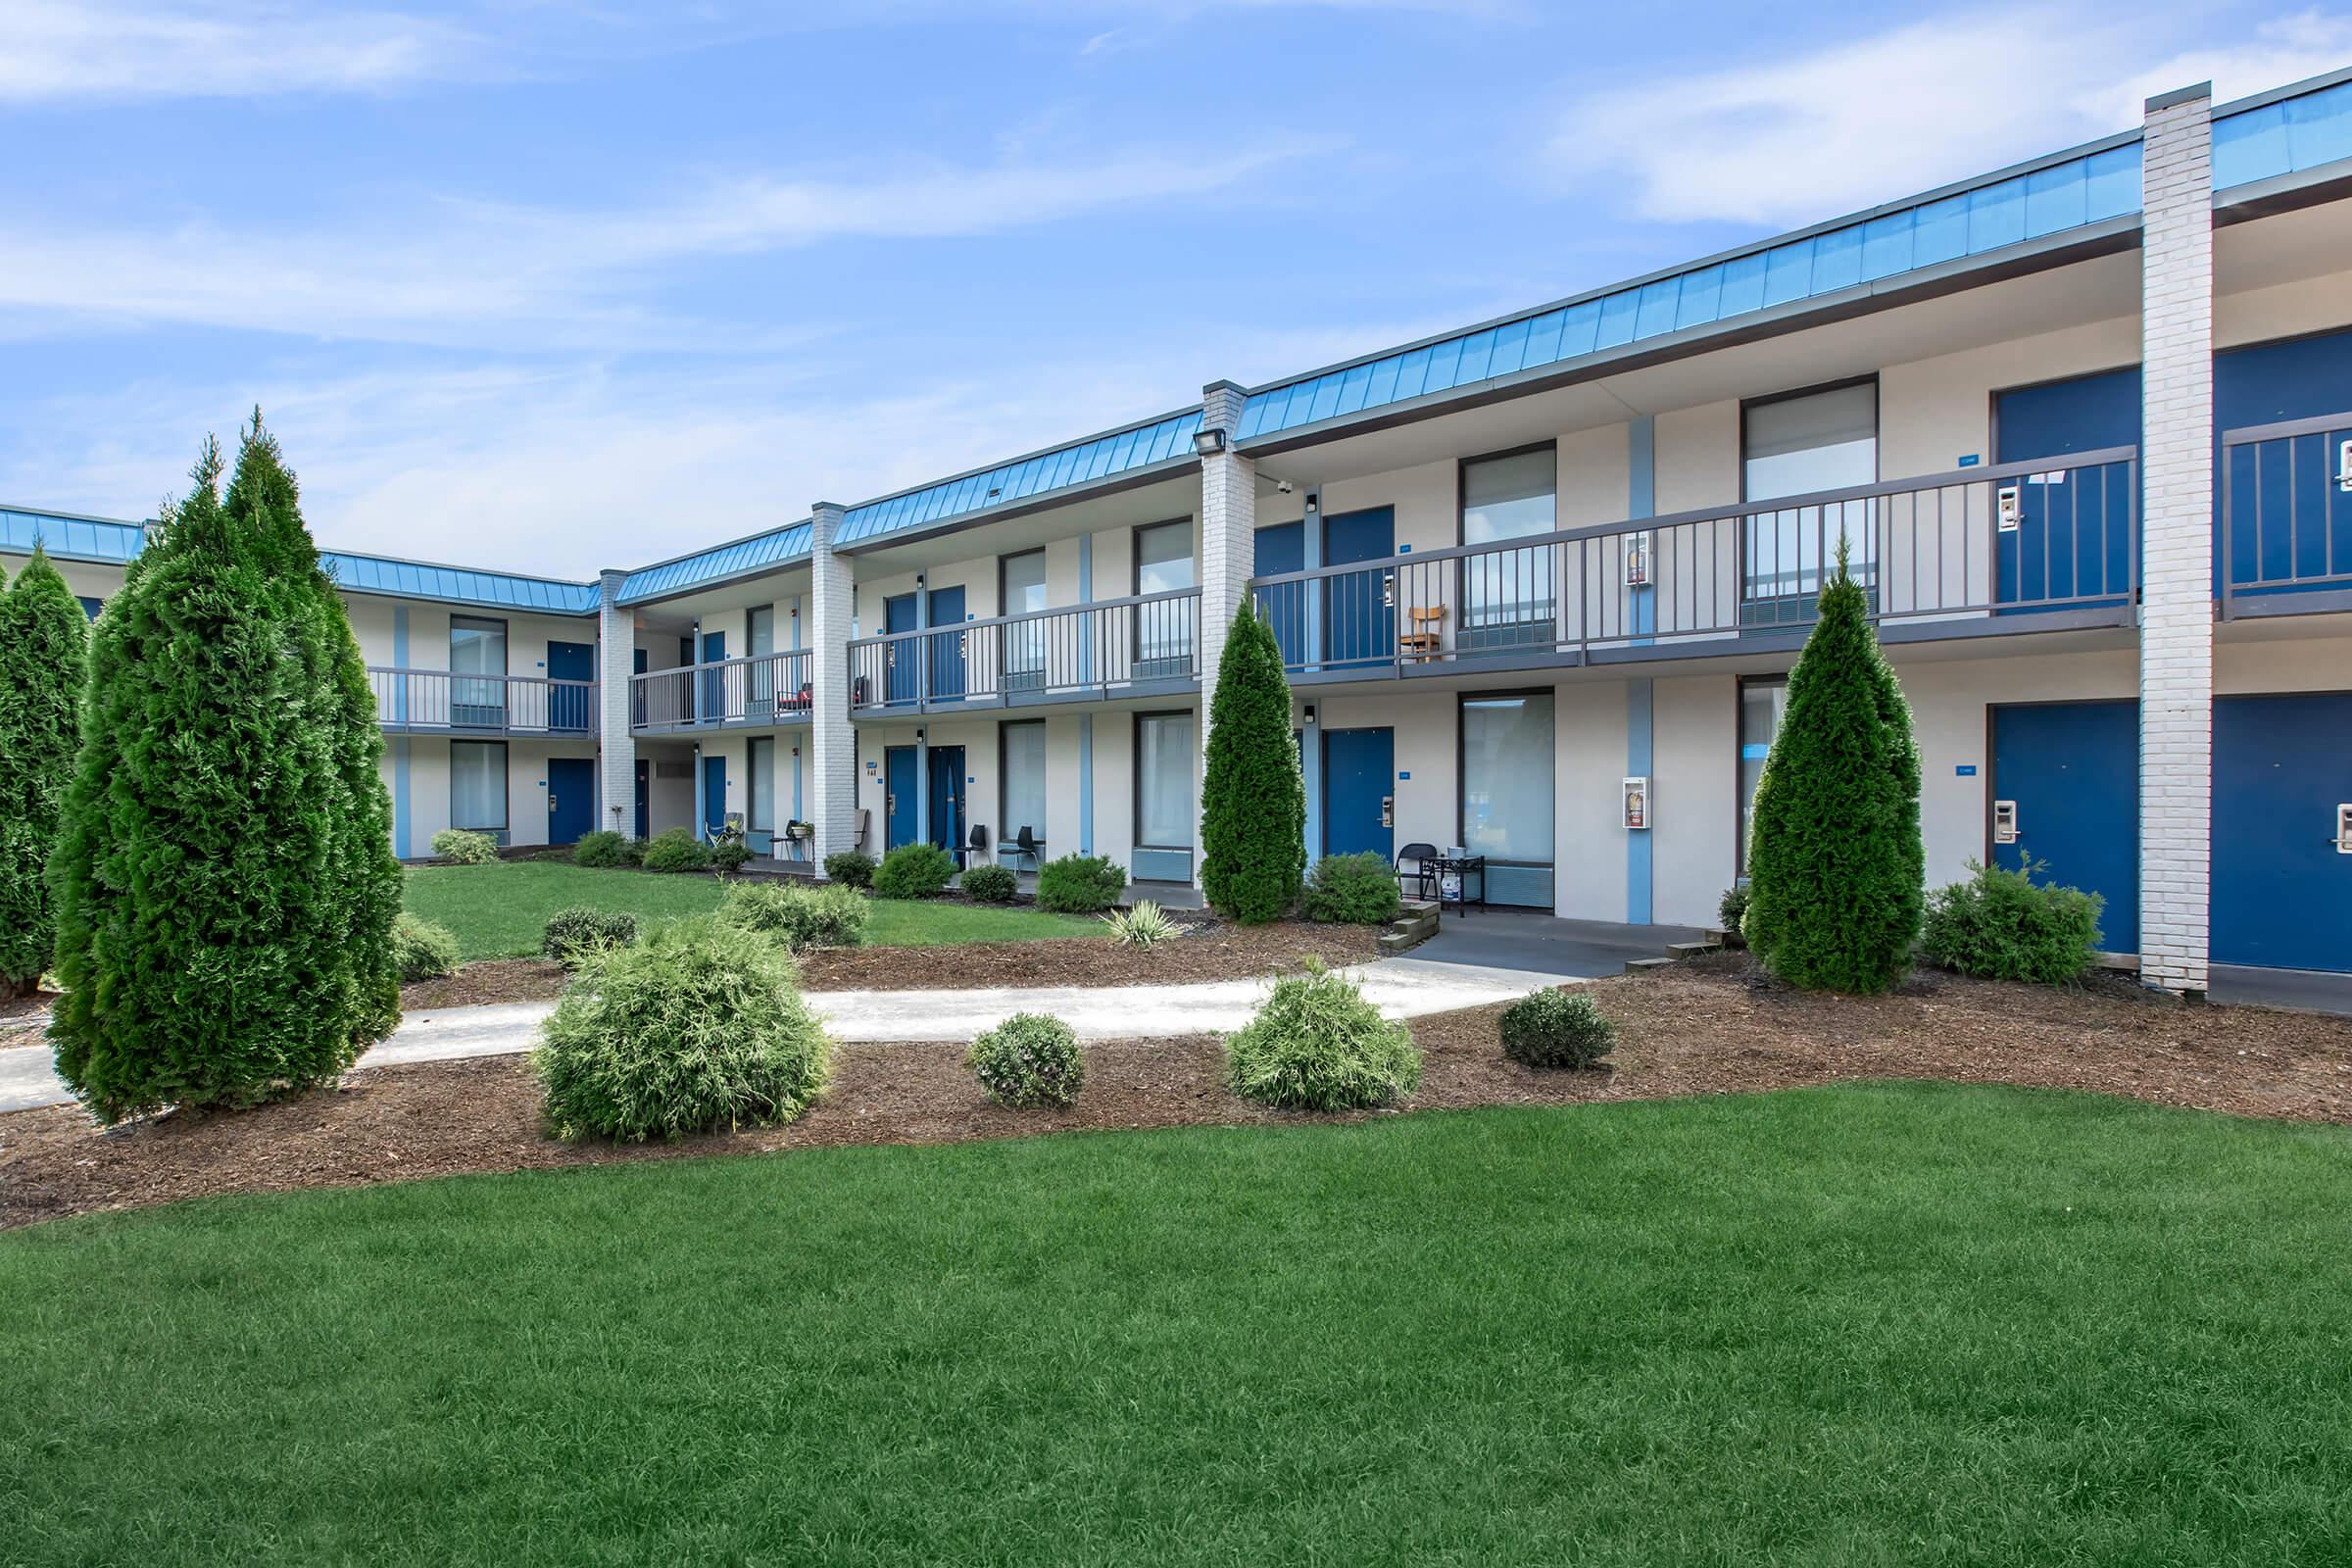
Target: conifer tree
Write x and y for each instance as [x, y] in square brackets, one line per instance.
[1835, 863]
[226, 883]
[44, 657]
[1253, 799]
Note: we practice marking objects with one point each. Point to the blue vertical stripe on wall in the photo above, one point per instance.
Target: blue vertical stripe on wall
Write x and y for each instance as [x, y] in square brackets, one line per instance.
[1311, 770]
[1086, 784]
[1641, 501]
[1639, 753]
[399, 743]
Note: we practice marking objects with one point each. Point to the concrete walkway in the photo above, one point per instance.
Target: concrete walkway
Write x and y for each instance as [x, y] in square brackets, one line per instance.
[1401, 988]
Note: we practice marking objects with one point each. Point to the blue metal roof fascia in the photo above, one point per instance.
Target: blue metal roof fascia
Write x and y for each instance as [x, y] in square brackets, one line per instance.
[738, 558]
[2076, 188]
[1025, 482]
[460, 585]
[69, 536]
[2285, 131]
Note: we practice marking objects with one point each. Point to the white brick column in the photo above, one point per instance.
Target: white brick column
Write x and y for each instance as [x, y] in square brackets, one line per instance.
[2176, 619]
[832, 740]
[1228, 544]
[615, 662]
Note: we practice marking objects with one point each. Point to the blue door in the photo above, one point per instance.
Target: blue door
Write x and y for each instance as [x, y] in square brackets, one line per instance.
[1279, 549]
[898, 615]
[714, 681]
[2289, 517]
[715, 795]
[571, 798]
[645, 799]
[570, 707]
[897, 805]
[947, 786]
[2073, 541]
[1359, 772]
[2282, 888]
[1359, 609]
[2073, 770]
[947, 648]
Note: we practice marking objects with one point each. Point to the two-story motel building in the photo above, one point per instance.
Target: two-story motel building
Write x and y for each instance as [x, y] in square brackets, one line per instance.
[2085, 424]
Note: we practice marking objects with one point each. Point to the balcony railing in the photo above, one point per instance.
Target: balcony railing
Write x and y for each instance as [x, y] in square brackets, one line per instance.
[436, 701]
[2286, 518]
[2016, 547]
[750, 692]
[1112, 648]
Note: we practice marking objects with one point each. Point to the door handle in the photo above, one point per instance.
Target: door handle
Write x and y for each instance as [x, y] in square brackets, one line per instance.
[1388, 810]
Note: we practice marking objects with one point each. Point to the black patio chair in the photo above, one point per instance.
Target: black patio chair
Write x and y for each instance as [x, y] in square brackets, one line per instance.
[1029, 844]
[1425, 878]
[976, 846]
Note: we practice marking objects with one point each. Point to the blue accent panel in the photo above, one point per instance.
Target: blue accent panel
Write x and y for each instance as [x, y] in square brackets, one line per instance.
[1309, 742]
[2064, 192]
[713, 682]
[1086, 784]
[797, 807]
[2074, 534]
[1641, 501]
[571, 709]
[774, 548]
[1166, 439]
[901, 612]
[401, 813]
[944, 798]
[1163, 865]
[929, 775]
[1360, 623]
[2286, 137]
[902, 804]
[2073, 769]
[400, 660]
[946, 609]
[1276, 550]
[2281, 894]
[715, 795]
[644, 800]
[2304, 516]
[1640, 719]
[571, 798]
[1360, 768]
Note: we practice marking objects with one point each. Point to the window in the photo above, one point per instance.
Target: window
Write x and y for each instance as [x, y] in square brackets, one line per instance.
[759, 643]
[1761, 704]
[1021, 589]
[1163, 631]
[1507, 772]
[1164, 781]
[1508, 595]
[477, 786]
[477, 662]
[91, 607]
[1022, 771]
[1801, 444]
[761, 764]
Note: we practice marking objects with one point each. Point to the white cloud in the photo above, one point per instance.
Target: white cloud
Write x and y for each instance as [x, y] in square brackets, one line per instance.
[1811, 136]
[57, 50]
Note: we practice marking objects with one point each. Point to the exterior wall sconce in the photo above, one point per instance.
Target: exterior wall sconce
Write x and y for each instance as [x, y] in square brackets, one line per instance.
[1209, 441]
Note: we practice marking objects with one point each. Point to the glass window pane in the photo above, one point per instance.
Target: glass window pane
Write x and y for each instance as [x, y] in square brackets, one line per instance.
[762, 764]
[477, 654]
[761, 635]
[1508, 497]
[1761, 704]
[1024, 770]
[1163, 557]
[1802, 445]
[1024, 583]
[478, 785]
[1508, 778]
[1164, 768]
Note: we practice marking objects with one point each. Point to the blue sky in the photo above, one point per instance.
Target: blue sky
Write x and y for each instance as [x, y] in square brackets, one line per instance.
[551, 287]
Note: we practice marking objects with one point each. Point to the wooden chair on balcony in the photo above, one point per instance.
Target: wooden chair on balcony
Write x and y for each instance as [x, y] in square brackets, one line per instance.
[1426, 640]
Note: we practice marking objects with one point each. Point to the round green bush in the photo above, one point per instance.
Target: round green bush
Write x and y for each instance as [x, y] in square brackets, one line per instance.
[1080, 884]
[1354, 890]
[1732, 910]
[1028, 1061]
[572, 934]
[730, 856]
[2003, 925]
[421, 949]
[1317, 1045]
[800, 917]
[697, 1028]
[632, 852]
[991, 884]
[1556, 1029]
[850, 868]
[675, 849]
[464, 847]
[602, 850]
[914, 871]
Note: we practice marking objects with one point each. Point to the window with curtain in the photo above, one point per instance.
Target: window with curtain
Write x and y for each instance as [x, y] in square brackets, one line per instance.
[1508, 595]
[477, 654]
[1021, 581]
[761, 764]
[478, 785]
[1021, 768]
[1800, 445]
[1761, 704]
[1163, 631]
[760, 642]
[1164, 781]
[1508, 778]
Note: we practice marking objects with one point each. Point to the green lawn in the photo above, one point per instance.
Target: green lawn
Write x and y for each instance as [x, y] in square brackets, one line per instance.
[499, 911]
[1868, 1325]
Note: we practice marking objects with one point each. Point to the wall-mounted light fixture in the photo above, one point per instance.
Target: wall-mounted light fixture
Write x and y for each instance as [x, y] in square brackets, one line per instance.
[1209, 440]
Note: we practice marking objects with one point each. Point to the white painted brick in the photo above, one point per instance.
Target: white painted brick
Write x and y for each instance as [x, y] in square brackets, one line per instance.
[833, 740]
[615, 662]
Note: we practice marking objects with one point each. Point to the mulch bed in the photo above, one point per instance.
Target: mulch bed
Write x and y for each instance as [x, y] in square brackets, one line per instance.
[1708, 1027]
[487, 980]
[1205, 952]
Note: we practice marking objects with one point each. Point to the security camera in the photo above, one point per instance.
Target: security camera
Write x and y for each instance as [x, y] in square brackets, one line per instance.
[1283, 485]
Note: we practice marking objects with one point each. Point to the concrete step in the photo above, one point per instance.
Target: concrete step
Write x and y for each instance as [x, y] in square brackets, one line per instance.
[1691, 949]
[1414, 926]
[1634, 965]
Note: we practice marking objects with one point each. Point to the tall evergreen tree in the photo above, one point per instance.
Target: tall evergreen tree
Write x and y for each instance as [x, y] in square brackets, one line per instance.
[1253, 799]
[224, 879]
[44, 657]
[1837, 868]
